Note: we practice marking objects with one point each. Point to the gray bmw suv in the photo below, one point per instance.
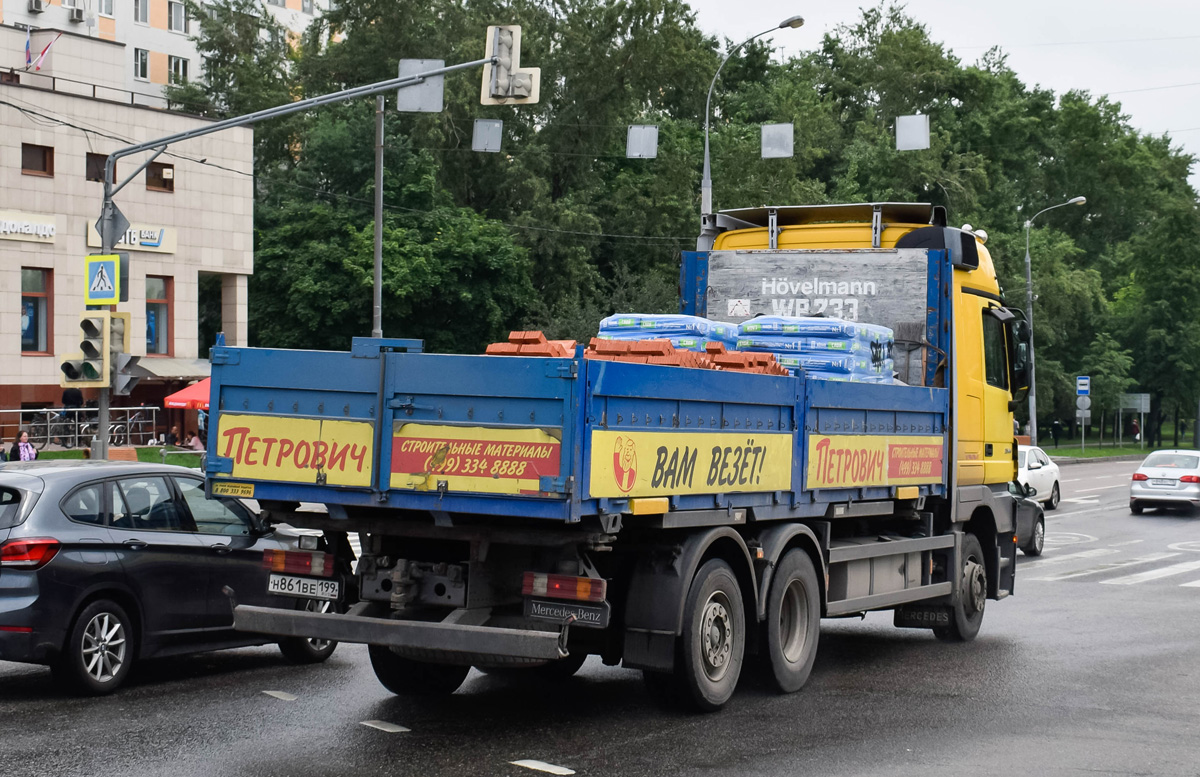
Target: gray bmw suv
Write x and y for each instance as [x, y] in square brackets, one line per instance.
[104, 563]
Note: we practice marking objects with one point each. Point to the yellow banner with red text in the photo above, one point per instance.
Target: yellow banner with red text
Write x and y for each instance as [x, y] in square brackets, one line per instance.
[297, 450]
[858, 460]
[631, 464]
[473, 458]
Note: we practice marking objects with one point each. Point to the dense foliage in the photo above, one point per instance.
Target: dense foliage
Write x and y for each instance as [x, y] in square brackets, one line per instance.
[560, 228]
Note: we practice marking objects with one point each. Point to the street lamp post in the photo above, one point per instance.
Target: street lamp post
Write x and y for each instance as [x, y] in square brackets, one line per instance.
[1029, 315]
[791, 22]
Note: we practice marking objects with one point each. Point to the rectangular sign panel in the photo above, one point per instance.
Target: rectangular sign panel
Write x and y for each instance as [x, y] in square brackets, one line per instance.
[859, 460]
[473, 458]
[27, 227]
[103, 279]
[296, 450]
[139, 237]
[1083, 385]
[670, 463]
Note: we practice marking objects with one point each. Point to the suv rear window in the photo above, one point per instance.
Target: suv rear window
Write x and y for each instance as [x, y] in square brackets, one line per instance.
[1172, 460]
[10, 507]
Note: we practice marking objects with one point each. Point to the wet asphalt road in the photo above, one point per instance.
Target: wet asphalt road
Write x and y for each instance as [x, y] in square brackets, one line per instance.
[1092, 668]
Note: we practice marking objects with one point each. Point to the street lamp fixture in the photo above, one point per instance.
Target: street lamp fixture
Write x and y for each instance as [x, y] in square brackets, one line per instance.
[1029, 315]
[792, 22]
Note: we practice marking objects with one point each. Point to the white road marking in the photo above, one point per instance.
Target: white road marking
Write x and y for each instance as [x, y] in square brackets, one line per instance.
[383, 725]
[1192, 545]
[1081, 554]
[1155, 574]
[1068, 538]
[1072, 480]
[1108, 567]
[282, 695]
[1193, 584]
[1130, 542]
[542, 766]
[1084, 500]
[1101, 488]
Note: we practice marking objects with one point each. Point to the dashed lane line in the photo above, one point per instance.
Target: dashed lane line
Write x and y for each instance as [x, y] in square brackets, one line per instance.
[1155, 574]
[1094, 553]
[1101, 488]
[1108, 567]
[282, 695]
[383, 725]
[1122, 544]
[542, 766]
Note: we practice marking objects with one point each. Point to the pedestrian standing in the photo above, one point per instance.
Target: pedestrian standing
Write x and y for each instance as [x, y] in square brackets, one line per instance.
[22, 449]
[1137, 431]
[1056, 430]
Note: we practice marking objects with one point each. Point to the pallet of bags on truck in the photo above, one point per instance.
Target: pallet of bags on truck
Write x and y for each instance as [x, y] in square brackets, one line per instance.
[823, 347]
[688, 332]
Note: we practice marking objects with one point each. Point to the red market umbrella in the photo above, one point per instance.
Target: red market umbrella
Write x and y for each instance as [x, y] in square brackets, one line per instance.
[194, 397]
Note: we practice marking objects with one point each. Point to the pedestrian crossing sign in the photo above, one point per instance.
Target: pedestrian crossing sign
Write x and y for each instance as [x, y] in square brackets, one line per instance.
[105, 279]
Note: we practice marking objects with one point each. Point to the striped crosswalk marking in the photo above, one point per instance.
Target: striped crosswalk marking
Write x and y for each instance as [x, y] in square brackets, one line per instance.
[1193, 584]
[1155, 574]
[1108, 567]
[1093, 553]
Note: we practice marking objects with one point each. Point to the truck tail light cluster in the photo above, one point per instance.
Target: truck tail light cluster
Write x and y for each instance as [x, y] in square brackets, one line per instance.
[32, 553]
[583, 589]
[1140, 476]
[297, 562]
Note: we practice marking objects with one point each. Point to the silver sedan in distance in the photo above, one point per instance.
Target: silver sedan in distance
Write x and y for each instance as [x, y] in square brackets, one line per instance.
[1166, 479]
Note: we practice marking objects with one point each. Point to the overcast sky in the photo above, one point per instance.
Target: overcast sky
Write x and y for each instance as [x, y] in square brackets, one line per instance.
[1102, 46]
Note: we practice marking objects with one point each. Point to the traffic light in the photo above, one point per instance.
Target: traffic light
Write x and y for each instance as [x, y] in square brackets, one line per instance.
[123, 378]
[90, 368]
[505, 83]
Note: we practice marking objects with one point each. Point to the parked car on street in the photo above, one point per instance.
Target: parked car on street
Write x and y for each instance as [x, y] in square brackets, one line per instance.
[1166, 479]
[1034, 468]
[105, 563]
[1031, 521]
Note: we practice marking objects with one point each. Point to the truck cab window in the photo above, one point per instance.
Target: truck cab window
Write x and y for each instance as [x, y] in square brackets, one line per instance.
[994, 357]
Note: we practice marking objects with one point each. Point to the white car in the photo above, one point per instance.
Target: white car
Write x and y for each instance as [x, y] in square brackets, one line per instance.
[1034, 468]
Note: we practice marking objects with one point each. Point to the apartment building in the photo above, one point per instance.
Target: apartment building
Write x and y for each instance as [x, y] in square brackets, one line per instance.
[191, 215]
[156, 34]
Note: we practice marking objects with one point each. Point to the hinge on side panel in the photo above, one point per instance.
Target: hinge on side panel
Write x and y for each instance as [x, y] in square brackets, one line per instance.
[225, 356]
[559, 485]
[773, 228]
[876, 226]
[561, 369]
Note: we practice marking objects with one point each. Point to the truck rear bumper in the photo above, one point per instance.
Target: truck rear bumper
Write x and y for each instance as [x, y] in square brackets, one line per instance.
[454, 640]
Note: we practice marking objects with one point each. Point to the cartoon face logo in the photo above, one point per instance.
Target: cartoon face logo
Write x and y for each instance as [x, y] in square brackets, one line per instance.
[625, 463]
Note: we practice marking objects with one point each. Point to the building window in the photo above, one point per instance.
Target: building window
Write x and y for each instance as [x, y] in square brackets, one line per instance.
[37, 160]
[160, 177]
[35, 310]
[104, 7]
[306, 6]
[141, 11]
[158, 314]
[141, 64]
[177, 20]
[95, 167]
[179, 70]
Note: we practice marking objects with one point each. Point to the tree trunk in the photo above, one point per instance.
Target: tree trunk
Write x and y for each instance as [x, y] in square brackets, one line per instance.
[1176, 444]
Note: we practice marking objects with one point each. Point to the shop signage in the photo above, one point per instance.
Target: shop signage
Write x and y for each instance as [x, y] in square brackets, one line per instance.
[29, 227]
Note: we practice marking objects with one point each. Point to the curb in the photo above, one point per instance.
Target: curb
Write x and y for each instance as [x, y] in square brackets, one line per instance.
[1064, 460]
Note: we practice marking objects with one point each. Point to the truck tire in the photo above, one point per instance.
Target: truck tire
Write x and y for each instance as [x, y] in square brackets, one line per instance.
[966, 613]
[406, 677]
[714, 637]
[793, 621]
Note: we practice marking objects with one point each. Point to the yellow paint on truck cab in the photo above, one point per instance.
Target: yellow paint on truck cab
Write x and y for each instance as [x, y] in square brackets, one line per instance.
[984, 422]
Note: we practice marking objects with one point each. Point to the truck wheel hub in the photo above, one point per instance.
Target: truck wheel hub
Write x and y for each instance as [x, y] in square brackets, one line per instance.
[716, 633]
[974, 587]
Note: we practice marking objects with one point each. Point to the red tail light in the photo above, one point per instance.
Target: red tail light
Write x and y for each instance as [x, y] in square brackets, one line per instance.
[585, 589]
[32, 553]
[1140, 476]
[297, 562]
[1190, 479]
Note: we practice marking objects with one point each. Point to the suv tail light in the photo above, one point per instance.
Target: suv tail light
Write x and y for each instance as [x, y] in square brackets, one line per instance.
[1190, 479]
[1140, 476]
[33, 553]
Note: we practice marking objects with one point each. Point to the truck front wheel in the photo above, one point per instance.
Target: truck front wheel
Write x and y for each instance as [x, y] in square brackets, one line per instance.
[793, 621]
[406, 677]
[714, 637]
[966, 614]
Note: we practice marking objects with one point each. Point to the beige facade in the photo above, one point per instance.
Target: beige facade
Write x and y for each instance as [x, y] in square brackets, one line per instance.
[192, 215]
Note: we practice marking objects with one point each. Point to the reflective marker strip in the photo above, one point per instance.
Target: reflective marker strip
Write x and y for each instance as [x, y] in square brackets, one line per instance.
[383, 725]
[282, 695]
[1155, 574]
[542, 766]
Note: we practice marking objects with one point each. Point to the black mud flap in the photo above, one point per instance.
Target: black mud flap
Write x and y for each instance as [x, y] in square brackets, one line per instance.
[922, 616]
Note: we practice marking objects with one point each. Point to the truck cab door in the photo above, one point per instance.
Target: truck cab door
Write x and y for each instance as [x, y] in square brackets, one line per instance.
[997, 417]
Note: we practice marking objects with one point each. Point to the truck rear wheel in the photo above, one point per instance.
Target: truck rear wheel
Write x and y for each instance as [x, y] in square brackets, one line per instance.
[714, 637]
[406, 677]
[966, 613]
[793, 621]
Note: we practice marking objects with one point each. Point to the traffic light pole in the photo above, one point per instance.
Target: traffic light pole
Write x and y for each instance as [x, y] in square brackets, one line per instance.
[110, 218]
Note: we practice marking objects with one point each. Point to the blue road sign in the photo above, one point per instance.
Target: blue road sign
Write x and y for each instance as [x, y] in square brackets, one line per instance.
[103, 274]
[1083, 385]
